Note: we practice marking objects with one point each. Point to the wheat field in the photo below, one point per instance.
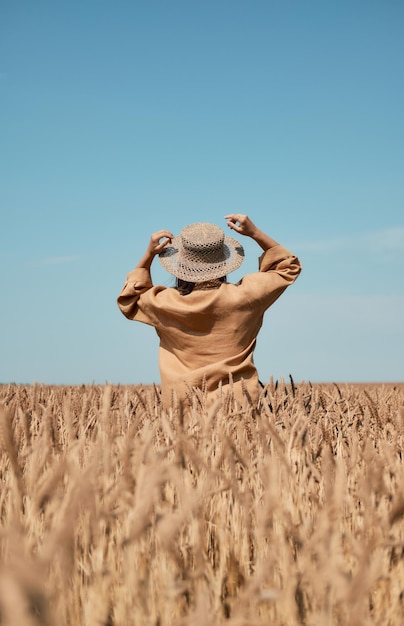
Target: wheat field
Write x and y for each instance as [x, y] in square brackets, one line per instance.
[116, 513]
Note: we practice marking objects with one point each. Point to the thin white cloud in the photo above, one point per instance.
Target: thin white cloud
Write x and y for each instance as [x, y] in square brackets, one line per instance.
[388, 239]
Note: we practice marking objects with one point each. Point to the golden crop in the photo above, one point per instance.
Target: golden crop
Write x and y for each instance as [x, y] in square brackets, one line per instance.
[114, 513]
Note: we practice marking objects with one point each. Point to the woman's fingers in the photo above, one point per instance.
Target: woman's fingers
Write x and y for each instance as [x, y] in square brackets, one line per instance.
[162, 234]
[233, 218]
[159, 240]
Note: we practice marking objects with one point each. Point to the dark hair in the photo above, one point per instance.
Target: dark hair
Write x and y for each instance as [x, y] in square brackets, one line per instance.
[185, 287]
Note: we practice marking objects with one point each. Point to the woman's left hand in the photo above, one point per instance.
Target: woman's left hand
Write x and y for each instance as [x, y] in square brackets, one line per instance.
[156, 245]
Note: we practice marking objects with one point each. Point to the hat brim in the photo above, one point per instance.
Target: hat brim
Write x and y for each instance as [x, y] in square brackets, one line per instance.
[171, 258]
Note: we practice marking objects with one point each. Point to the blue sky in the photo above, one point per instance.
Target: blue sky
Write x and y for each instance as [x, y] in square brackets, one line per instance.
[122, 118]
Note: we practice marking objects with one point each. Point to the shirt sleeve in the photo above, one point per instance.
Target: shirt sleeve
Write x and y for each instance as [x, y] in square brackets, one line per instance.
[278, 268]
[138, 281]
[280, 260]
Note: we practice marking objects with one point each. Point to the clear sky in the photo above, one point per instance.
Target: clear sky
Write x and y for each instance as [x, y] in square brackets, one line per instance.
[122, 118]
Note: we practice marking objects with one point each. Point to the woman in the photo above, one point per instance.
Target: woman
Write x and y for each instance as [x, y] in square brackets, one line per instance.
[207, 326]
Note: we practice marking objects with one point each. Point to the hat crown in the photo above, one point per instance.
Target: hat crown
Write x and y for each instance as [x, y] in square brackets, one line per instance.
[202, 238]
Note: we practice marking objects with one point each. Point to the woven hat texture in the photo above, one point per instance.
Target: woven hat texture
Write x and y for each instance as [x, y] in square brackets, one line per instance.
[201, 252]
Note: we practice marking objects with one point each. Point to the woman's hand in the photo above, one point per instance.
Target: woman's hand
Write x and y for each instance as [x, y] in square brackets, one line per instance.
[242, 224]
[155, 247]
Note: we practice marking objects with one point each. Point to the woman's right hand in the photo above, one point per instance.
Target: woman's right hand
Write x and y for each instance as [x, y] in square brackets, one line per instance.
[241, 224]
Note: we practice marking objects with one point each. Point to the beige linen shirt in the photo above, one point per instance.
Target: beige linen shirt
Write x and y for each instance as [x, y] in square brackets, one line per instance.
[207, 338]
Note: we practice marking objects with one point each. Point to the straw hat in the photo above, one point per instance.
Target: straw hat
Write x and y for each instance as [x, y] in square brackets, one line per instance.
[201, 252]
